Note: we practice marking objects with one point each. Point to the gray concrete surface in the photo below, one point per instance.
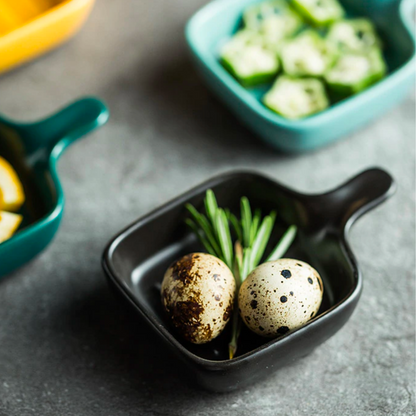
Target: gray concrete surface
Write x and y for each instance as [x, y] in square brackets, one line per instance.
[67, 347]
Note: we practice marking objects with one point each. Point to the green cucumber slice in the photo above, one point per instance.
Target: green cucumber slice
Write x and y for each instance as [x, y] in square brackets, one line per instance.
[320, 12]
[307, 55]
[295, 98]
[247, 58]
[275, 19]
[254, 16]
[354, 72]
[277, 28]
[356, 35]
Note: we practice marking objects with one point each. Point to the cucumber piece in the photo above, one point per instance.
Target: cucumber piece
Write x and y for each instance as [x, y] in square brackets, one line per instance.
[275, 19]
[295, 98]
[320, 12]
[307, 55]
[276, 28]
[356, 35]
[254, 16]
[354, 72]
[247, 58]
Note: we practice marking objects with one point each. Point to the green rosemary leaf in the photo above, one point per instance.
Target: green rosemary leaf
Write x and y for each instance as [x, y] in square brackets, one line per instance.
[211, 205]
[223, 232]
[236, 321]
[260, 243]
[209, 232]
[236, 329]
[245, 221]
[236, 225]
[246, 264]
[192, 210]
[284, 244]
[206, 227]
[255, 225]
[200, 236]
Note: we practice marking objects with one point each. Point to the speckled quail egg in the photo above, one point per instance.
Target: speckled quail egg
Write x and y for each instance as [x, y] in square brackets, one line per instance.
[280, 296]
[198, 294]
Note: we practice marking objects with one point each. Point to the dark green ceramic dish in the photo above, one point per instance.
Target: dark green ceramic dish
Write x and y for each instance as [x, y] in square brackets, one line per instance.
[33, 149]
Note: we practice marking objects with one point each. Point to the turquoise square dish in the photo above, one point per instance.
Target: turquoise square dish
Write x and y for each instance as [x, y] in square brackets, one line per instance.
[218, 20]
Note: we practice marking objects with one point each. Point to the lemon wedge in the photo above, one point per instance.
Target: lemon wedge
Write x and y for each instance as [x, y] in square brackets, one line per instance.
[12, 195]
[9, 223]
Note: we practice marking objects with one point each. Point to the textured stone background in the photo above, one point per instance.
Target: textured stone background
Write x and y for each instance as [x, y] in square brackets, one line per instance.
[68, 348]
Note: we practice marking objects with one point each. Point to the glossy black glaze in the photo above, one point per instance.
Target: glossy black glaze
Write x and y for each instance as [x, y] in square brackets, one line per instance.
[135, 262]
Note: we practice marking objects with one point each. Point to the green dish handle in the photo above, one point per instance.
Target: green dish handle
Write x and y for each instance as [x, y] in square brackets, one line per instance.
[56, 132]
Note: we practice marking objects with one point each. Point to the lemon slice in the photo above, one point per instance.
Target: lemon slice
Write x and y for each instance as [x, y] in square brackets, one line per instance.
[11, 195]
[9, 223]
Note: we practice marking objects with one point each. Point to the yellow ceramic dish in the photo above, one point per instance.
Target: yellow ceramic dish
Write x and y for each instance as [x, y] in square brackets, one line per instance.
[29, 28]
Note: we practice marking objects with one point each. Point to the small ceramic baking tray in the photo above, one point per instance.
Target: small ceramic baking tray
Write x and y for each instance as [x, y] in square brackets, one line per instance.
[219, 19]
[135, 262]
[34, 149]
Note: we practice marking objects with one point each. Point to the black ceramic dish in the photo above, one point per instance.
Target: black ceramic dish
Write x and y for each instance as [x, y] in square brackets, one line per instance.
[135, 262]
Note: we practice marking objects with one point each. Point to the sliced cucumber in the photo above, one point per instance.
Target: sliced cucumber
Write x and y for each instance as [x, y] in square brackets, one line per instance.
[248, 59]
[307, 54]
[353, 72]
[295, 98]
[320, 12]
[356, 35]
[275, 19]
[254, 16]
[277, 28]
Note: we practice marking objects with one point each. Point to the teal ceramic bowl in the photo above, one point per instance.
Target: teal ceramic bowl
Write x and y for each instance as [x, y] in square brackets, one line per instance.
[34, 149]
[218, 20]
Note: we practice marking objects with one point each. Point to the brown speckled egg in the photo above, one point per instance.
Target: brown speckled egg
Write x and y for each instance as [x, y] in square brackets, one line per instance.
[280, 296]
[198, 293]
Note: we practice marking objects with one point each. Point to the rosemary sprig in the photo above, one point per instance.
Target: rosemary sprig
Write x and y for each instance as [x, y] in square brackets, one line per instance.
[201, 237]
[206, 229]
[224, 236]
[260, 241]
[284, 244]
[246, 221]
[252, 235]
[236, 320]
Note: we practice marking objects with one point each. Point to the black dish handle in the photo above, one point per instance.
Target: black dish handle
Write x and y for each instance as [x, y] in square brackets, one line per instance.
[342, 206]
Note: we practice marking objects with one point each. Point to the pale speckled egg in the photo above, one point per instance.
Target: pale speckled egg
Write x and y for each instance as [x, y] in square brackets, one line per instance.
[198, 294]
[280, 296]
